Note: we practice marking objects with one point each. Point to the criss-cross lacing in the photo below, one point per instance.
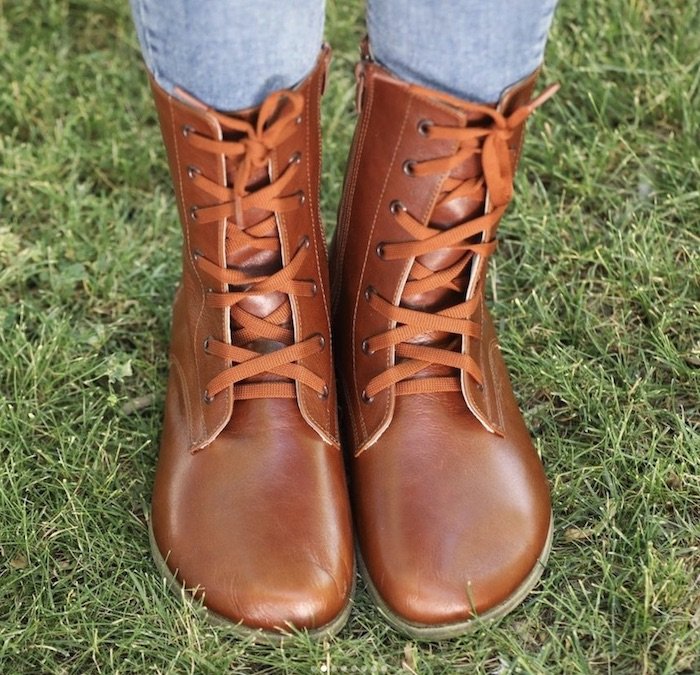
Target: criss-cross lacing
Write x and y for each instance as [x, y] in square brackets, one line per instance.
[489, 138]
[247, 153]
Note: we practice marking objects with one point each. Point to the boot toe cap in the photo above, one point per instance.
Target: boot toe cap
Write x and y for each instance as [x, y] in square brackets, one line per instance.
[281, 591]
[441, 588]
[452, 519]
[257, 525]
[309, 597]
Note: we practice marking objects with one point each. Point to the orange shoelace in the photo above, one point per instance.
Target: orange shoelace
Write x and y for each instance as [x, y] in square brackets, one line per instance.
[488, 138]
[246, 155]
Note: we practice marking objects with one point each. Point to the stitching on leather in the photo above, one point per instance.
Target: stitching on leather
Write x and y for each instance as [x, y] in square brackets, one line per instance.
[367, 110]
[355, 433]
[195, 437]
[470, 383]
[430, 203]
[317, 228]
[497, 384]
[390, 353]
[198, 366]
[182, 385]
[281, 223]
[364, 266]
[349, 191]
[307, 143]
[225, 313]
[293, 300]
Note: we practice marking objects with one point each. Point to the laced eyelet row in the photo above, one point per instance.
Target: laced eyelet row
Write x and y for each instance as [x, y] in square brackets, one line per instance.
[491, 142]
[255, 139]
[369, 292]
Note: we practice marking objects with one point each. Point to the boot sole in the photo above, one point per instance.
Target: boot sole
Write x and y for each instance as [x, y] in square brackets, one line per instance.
[431, 632]
[238, 628]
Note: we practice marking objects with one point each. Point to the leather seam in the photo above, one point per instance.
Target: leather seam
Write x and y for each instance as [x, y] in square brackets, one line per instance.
[348, 201]
[497, 385]
[225, 314]
[194, 438]
[349, 192]
[293, 300]
[180, 374]
[472, 401]
[367, 110]
[364, 267]
[317, 229]
[355, 431]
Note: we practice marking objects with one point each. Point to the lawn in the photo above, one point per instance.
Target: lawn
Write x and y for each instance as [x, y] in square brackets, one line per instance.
[595, 287]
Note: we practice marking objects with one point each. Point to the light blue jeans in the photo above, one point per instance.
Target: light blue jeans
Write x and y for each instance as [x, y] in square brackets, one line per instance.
[232, 53]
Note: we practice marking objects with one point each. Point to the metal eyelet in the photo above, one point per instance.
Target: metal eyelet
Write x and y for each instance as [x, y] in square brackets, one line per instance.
[365, 348]
[424, 127]
[321, 341]
[206, 398]
[369, 292]
[323, 395]
[301, 196]
[408, 167]
[314, 289]
[305, 242]
[196, 255]
[193, 212]
[365, 398]
[206, 343]
[193, 171]
[295, 158]
[379, 250]
[187, 129]
[299, 119]
[396, 206]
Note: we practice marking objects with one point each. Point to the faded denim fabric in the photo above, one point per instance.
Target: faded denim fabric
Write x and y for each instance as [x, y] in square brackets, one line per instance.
[471, 48]
[229, 53]
[232, 53]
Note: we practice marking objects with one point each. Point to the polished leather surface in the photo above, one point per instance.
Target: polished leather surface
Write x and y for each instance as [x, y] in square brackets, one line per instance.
[450, 499]
[250, 506]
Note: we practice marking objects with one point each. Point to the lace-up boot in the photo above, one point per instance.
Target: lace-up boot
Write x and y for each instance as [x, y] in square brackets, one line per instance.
[451, 503]
[250, 509]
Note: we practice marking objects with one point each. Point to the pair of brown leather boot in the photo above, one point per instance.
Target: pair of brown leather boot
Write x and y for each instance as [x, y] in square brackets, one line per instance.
[250, 505]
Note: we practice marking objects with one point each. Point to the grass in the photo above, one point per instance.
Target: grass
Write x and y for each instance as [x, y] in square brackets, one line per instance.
[596, 293]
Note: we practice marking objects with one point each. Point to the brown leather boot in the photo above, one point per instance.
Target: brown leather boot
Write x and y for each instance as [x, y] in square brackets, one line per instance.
[451, 503]
[250, 507]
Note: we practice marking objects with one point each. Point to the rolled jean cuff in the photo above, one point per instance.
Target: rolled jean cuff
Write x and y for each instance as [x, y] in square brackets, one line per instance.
[230, 54]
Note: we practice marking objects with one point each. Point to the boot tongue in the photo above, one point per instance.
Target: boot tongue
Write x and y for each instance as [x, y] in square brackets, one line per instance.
[444, 216]
[253, 261]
